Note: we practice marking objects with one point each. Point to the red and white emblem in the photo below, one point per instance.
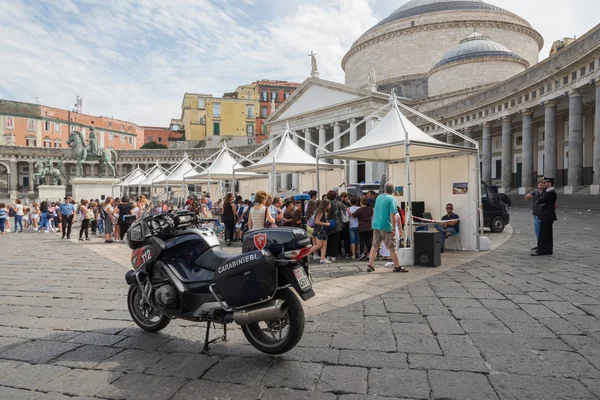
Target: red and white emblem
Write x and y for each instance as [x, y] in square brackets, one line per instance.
[260, 241]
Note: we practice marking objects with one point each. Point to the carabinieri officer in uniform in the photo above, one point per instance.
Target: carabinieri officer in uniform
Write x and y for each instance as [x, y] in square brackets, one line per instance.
[547, 216]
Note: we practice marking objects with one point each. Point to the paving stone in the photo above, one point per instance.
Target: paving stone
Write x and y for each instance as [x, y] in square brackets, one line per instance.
[585, 323]
[8, 393]
[288, 394]
[313, 354]
[569, 364]
[483, 326]
[447, 363]
[9, 366]
[560, 326]
[242, 370]
[86, 357]
[98, 339]
[131, 361]
[433, 309]
[365, 397]
[32, 376]
[382, 342]
[182, 346]
[143, 342]
[538, 311]
[393, 305]
[444, 324]
[563, 308]
[39, 351]
[80, 382]
[473, 313]
[60, 396]
[453, 385]
[401, 383]
[593, 385]
[493, 343]
[142, 387]
[342, 379]
[514, 387]
[316, 339]
[513, 315]
[183, 365]
[402, 328]
[530, 329]
[8, 342]
[374, 306]
[202, 389]
[544, 296]
[293, 375]
[452, 292]
[418, 343]
[420, 291]
[407, 318]
[457, 345]
[521, 299]
[540, 343]
[372, 359]
[501, 304]
[519, 363]
[486, 294]
[461, 303]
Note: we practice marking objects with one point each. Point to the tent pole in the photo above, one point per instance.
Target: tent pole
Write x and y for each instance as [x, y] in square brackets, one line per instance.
[318, 189]
[479, 204]
[273, 178]
[407, 179]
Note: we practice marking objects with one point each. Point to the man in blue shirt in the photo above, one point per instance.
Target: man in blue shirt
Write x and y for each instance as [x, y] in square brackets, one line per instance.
[448, 228]
[209, 202]
[384, 228]
[66, 212]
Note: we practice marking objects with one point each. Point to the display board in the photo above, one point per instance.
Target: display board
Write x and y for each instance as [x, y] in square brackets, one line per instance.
[249, 186]
[328, 180]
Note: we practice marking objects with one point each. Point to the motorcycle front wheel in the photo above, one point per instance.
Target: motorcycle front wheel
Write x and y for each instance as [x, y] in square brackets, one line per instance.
[279, 336]
[143, 314]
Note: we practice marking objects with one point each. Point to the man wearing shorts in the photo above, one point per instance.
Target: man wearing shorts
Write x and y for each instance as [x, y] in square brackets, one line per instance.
[384, 228]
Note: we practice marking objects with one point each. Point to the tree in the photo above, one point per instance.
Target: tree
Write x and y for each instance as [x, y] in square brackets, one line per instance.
[153, 145]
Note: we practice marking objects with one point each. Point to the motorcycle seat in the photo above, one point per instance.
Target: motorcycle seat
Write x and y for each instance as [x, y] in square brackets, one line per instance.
[212, 258]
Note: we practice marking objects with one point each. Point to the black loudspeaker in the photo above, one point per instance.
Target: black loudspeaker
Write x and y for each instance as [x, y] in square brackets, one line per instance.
[428, 249]
[418, 208]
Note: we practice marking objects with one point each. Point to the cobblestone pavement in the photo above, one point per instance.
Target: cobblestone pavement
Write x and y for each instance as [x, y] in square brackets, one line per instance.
[502, 326]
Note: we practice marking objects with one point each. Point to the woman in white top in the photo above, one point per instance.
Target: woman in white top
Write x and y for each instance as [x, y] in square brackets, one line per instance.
[258, 213]
[18, 208]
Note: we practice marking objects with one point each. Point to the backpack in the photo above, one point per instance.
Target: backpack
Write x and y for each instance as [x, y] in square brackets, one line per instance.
[311, 220]
[11, 212]
[89, 214]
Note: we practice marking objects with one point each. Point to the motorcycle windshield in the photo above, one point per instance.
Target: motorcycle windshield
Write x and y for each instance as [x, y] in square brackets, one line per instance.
[165, 202]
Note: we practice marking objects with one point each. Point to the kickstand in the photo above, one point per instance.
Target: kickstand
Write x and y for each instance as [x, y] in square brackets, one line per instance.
[207, 342]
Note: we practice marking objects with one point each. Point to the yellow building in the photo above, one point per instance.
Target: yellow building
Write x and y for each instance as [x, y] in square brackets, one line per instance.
[560, 44]
[233, 116]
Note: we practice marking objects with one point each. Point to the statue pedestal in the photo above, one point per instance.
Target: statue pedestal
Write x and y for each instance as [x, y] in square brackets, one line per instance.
[95, 188]
[51, 192]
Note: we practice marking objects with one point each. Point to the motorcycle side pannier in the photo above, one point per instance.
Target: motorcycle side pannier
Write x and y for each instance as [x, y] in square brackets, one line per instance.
[246, 278]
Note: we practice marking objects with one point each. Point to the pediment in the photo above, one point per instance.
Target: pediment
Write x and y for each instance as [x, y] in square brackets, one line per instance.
[316, 94]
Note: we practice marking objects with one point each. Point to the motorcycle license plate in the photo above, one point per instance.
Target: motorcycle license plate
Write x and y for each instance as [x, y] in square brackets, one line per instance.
[302, 278]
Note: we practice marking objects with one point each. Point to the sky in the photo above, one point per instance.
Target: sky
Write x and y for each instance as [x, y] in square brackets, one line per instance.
[134, 59]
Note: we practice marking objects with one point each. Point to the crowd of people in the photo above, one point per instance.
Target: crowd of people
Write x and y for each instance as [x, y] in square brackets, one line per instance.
[110, 217]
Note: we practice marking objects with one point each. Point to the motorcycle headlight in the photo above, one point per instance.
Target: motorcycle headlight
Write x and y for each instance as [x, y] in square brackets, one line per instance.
[135, 233]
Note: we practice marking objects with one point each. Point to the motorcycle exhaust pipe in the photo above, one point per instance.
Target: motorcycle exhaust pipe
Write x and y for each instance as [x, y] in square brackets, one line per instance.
[273, 310]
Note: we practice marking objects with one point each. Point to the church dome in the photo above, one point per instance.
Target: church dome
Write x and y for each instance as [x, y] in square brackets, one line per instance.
[476, 46]
[420, 7]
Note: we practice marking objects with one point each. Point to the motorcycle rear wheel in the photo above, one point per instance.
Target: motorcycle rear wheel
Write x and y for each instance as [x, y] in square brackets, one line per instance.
[268, 337]
[143, 314]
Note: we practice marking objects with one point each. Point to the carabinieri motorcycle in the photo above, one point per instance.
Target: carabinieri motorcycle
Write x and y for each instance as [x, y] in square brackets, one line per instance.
[181, 271]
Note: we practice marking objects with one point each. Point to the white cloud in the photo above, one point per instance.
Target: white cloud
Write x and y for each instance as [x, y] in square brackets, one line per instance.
[135, 59]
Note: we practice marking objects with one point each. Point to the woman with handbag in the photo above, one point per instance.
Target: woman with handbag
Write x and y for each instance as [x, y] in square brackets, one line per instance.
[228, 218]
[338, 209]
[85, 214]
[260, 217]
[322, 225]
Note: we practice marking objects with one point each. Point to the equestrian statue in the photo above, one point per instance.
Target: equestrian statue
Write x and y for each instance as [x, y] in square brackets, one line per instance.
[92, 151]
[45, 168]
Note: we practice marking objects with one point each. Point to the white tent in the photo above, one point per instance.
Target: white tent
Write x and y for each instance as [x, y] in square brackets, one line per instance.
[427, 169]
[132, 176]
[155, 174]
[287, 157]
[222, 168]
[179, 174]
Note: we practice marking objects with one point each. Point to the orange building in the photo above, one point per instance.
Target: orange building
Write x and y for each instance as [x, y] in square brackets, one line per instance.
[34, 125]
[160, 135]
[268, 90]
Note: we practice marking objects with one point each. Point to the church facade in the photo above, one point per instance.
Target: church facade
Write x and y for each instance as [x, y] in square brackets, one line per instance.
[473, 67]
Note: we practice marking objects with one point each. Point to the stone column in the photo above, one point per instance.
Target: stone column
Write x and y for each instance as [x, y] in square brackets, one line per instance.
[575, 140]
[450, 138]
[550, 140]
[527, 178]
[92, 170]
[308, 137]
[486, 153]
[596, 157]
[13, 183]
[353, 164]
[507, 154]
[284, 182]
[295, 177]
[337, 143]
[322, 135]
[30, 176]
[467, 133]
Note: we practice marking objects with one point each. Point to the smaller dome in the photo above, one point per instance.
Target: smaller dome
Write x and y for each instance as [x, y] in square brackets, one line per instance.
[474, 46]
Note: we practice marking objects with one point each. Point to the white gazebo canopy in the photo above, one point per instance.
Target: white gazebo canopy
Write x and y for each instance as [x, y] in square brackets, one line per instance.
[155, 174]
[179, 173]
[222, 168]
[133, 175]
[386, 142]
[287, 157]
